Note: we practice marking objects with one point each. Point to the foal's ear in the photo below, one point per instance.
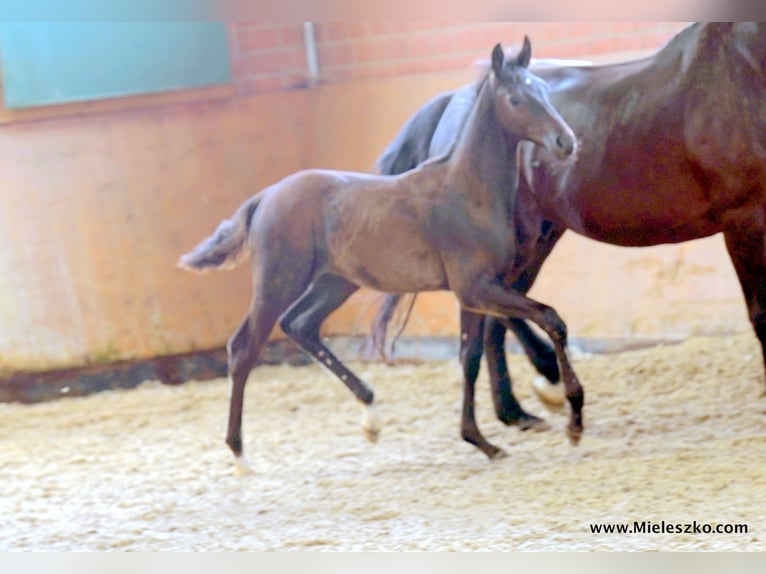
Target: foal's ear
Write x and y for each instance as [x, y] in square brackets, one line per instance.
[498, 57]
[522, 60]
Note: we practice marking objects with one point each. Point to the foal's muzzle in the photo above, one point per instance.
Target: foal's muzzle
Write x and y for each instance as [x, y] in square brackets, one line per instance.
[564, 145]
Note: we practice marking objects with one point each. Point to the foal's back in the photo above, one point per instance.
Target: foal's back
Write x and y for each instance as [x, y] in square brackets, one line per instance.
[377, 231]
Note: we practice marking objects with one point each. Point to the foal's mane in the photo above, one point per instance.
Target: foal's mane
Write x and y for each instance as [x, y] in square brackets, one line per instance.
[478, 85]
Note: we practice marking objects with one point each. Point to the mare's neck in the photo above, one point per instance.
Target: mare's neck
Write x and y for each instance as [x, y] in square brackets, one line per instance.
[485, 153]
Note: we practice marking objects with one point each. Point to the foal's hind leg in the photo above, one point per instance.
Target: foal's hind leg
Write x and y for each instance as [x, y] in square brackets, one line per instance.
[275, 287]
[301, 323]
[243, 349]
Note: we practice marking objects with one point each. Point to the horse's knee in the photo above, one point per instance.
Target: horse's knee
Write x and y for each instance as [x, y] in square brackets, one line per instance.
[554, 325]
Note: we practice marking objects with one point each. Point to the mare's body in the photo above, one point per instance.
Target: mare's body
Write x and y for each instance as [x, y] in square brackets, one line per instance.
[672, 148]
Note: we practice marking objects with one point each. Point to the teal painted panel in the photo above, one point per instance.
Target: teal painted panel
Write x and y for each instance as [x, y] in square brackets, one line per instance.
[47, 63]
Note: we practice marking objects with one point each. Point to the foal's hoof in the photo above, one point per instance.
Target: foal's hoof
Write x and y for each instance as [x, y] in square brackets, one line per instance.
[370, 422]
[242, 466]
[497, 454]
[550, 394]
[371, 434]
[574, 434]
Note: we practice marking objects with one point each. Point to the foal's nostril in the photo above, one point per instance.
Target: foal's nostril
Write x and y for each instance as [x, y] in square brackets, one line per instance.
[565, 144]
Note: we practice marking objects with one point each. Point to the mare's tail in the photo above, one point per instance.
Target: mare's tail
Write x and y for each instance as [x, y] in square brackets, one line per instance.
[227, 246]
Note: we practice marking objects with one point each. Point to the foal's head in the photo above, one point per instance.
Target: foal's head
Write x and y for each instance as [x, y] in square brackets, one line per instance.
[522, 105]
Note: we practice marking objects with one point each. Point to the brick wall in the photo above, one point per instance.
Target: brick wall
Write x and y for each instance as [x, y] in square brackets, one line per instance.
[271, 57]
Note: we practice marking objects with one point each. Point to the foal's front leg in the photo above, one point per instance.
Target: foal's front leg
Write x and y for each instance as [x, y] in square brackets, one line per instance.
[490, 297]
[471, 328]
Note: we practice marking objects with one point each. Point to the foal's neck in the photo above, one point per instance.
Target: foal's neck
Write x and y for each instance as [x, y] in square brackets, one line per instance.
[485, 152]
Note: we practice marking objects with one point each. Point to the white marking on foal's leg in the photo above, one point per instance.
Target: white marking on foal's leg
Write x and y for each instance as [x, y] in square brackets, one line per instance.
[370, 421]
[548, 392]
[242, 465]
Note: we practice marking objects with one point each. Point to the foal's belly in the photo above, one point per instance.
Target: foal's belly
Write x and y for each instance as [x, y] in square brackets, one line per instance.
[393, 264]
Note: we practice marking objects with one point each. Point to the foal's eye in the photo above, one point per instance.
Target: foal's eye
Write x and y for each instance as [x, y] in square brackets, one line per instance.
[515, 101]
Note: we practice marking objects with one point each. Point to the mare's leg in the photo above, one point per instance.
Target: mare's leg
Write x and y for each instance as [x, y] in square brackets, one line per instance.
[745, 237]
[540, 354]
[539, 351]
[301, 323]
[490, 297]
[507, 408]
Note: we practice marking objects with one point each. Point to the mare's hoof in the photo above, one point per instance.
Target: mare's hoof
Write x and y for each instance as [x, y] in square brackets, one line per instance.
[532, 423]
[551, 395]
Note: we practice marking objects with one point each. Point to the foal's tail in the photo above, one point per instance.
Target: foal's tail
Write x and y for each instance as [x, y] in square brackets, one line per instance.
[227, 246]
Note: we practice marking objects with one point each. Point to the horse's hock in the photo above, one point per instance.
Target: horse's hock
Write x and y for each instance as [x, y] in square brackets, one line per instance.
[674, 434]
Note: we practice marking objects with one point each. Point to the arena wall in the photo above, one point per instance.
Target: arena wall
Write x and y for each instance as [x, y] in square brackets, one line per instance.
[98, 201]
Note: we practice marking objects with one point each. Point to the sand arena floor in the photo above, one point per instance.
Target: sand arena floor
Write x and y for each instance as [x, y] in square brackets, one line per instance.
[675, 433]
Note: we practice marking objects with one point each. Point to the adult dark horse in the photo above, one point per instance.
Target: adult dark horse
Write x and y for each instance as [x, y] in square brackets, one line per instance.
[672, 148]
[317, 236]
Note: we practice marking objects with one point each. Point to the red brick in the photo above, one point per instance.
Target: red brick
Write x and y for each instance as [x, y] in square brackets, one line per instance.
[386, 28]
[268, 63]
[357, 30]
[298, 59]
[337, 32]
[331, 32]
[258, 40]
[238, 68]
[292, 35]
[408, 66]
[419, 45]
[420, 26]
[475, 38]
[444, 41]
[514, 32]
[397, 47]
[374, 50]
[331, 55]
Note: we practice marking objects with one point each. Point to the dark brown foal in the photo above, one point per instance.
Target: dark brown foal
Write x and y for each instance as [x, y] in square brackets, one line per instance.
[317, 236]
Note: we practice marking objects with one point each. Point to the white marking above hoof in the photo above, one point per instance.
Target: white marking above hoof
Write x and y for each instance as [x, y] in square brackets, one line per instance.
[243, 466]
[550, 394]
[370, 422]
